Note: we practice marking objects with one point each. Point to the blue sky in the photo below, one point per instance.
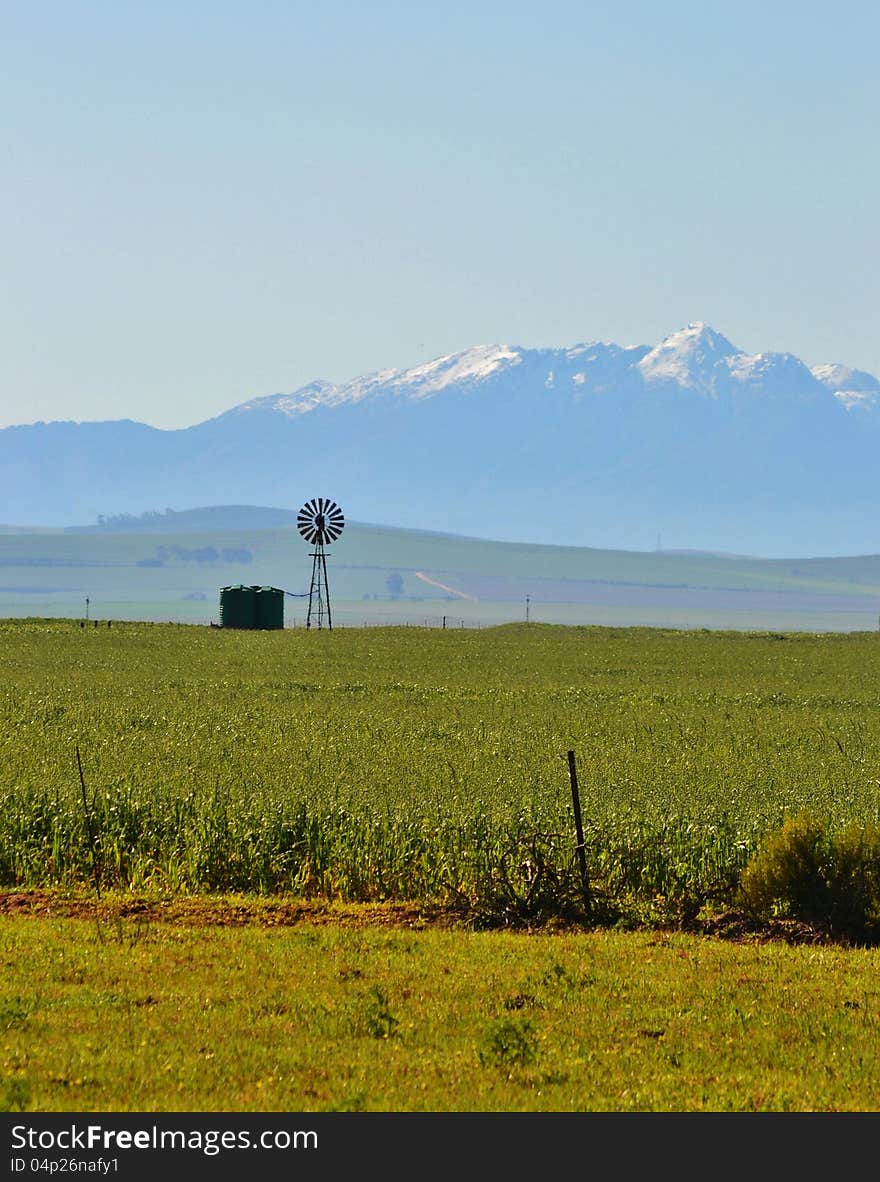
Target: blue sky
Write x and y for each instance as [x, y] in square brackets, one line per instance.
[202, 203]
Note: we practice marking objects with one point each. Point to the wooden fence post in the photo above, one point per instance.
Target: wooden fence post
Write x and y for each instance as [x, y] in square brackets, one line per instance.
[579, 827]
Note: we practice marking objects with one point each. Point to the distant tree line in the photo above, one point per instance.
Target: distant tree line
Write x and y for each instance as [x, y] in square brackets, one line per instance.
[212, 517]
[124, 521]
[200, 554]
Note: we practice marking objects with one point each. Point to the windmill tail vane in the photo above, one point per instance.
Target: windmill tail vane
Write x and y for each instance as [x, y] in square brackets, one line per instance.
[320, 521]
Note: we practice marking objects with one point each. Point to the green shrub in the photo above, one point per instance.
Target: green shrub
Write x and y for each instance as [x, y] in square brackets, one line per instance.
[855, 882]
[380, 1021]
[810, 872]
[15, 1094]
[510, 1042]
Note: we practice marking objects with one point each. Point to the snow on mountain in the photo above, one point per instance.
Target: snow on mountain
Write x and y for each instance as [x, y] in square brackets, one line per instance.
[854, 388]
[696, 359]
[457, 369]
[700, 359]
[473, 365]
[773, 372]
[598, 367]
[300, 402]
[690, 358]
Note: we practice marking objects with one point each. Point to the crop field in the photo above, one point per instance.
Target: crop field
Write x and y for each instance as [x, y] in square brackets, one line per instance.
[370, 765]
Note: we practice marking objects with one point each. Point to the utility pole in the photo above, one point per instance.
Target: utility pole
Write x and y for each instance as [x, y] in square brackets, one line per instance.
[527, 609]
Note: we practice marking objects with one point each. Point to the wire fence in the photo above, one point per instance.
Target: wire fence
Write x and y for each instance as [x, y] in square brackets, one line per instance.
[352, 621]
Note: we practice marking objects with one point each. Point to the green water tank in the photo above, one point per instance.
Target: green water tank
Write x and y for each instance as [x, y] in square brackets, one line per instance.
[269, 607]
[237, 607]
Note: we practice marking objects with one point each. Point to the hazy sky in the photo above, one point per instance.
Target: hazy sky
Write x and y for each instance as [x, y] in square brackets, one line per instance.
[204, 202]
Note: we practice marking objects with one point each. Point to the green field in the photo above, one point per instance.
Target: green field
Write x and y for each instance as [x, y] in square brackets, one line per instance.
[402, 763]
[335, 871]
[314, 1017]
[390, 576]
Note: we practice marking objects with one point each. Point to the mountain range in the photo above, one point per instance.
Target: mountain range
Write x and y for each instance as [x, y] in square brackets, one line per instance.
[692, 443]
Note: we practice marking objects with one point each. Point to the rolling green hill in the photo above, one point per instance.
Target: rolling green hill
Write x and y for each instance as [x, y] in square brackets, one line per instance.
[171, 567]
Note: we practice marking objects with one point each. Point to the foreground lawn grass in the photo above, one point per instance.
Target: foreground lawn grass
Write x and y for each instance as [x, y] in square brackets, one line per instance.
[99, 1015]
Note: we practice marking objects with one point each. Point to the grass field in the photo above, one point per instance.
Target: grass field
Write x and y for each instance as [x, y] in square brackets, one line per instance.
[280, 883]
[340, 1016]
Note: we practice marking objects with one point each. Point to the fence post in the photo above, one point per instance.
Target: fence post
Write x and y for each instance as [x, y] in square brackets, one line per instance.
[96, 869]
[579, 827]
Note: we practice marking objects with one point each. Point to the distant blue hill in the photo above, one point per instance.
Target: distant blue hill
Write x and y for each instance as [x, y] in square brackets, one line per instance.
[213, 518]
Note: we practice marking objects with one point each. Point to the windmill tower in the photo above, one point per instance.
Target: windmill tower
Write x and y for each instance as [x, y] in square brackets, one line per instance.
[320, 521]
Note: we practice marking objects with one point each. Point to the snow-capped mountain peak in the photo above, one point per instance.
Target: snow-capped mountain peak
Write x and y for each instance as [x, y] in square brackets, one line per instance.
[688, 357]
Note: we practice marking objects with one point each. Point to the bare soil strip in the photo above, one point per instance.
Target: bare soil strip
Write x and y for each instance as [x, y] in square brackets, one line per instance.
[225, 911]
[220, 911]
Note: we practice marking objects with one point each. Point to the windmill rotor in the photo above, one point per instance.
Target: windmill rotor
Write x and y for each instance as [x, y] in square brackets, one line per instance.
[320, 521]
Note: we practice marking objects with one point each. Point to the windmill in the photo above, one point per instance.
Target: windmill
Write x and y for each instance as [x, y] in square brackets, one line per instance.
[320, 521]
